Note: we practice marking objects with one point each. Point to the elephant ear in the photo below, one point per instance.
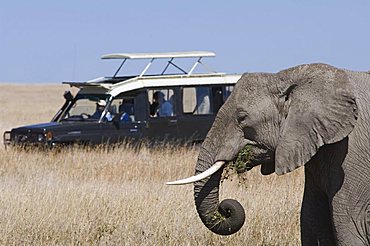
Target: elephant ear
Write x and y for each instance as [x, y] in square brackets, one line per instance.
[321, 109]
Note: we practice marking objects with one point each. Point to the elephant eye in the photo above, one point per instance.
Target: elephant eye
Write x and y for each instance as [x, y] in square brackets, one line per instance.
[242, 116]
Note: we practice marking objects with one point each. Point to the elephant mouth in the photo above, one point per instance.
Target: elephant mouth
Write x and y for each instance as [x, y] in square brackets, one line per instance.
[250, 156]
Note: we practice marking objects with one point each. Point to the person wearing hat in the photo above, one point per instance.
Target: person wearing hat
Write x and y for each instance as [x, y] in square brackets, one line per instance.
[100, 106]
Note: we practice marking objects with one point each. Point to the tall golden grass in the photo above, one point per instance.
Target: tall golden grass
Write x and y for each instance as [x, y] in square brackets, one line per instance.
[118, 196]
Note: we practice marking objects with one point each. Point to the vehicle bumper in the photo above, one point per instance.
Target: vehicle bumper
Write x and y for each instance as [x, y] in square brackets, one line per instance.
[7, 138]
[11, 138]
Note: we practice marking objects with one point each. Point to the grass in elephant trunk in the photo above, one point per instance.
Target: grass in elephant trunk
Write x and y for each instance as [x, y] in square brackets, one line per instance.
[239, 166]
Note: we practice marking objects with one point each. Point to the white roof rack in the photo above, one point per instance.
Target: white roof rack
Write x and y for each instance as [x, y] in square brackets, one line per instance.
[164, 55]
[189, 54]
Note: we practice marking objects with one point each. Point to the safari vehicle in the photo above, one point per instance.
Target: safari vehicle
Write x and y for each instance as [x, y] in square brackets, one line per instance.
[177, 106]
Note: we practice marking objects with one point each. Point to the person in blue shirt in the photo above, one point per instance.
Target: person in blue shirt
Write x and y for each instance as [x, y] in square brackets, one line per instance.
[160, 107]
[100, 106]
[123, 110]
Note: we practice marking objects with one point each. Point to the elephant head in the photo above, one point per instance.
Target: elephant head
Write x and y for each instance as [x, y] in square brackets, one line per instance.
[283, 118]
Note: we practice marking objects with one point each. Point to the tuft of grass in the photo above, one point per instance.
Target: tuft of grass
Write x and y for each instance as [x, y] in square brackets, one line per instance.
[240, 164]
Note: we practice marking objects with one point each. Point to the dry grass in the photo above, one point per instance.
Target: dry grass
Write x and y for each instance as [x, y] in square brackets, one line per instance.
[117, 196]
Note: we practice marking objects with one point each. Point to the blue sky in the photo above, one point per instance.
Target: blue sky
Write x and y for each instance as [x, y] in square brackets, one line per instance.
[54, 41]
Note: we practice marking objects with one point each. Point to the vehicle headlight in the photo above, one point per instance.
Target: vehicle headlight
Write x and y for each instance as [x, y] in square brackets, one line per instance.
[40, 137]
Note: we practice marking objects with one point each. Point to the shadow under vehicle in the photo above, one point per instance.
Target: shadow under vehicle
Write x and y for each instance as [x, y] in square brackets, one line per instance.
[177, 106]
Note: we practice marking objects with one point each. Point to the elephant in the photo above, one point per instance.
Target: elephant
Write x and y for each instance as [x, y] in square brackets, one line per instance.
[311, 115]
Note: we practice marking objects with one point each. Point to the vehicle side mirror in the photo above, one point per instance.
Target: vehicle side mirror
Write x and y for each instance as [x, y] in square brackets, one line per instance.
[68, 95]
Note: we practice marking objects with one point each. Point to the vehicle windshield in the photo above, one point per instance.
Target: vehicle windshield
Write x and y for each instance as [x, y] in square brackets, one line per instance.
[87, 107]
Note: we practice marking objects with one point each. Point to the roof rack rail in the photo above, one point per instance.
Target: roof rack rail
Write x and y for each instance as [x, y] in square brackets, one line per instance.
[164, 55]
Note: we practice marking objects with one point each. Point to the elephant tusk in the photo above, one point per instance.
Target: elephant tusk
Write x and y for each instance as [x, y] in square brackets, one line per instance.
[200, 176]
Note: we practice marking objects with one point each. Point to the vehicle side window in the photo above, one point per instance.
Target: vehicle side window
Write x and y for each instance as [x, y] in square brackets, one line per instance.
[162, 102]
[196, 100]
[123, 107]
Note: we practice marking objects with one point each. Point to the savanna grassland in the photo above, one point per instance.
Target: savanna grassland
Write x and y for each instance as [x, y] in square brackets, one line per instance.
[118, 196]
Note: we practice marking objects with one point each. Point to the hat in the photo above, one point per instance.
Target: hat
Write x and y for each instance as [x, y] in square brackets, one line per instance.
[101, 103]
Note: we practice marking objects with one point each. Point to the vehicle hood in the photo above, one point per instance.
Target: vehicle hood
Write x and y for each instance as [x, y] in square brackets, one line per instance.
[41, 125]
[51, 126]
[37, 127]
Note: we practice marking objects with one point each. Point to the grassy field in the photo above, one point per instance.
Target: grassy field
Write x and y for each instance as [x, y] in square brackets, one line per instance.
[118, 196]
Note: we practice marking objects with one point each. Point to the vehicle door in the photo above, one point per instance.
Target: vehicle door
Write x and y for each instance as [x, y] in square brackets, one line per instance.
[162, 114]
[78, 121]
[199, 106]
[125, 123]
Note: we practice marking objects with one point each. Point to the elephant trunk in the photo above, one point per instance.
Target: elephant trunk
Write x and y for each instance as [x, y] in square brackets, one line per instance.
[223, 218]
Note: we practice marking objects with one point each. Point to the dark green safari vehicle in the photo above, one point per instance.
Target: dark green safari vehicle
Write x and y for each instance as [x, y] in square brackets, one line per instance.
[178, 107]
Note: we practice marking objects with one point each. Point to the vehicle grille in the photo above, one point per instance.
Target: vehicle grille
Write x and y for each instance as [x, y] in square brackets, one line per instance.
[25, 137]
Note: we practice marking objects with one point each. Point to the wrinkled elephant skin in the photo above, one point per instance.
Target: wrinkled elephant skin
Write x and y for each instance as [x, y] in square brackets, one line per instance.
[313, 115]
